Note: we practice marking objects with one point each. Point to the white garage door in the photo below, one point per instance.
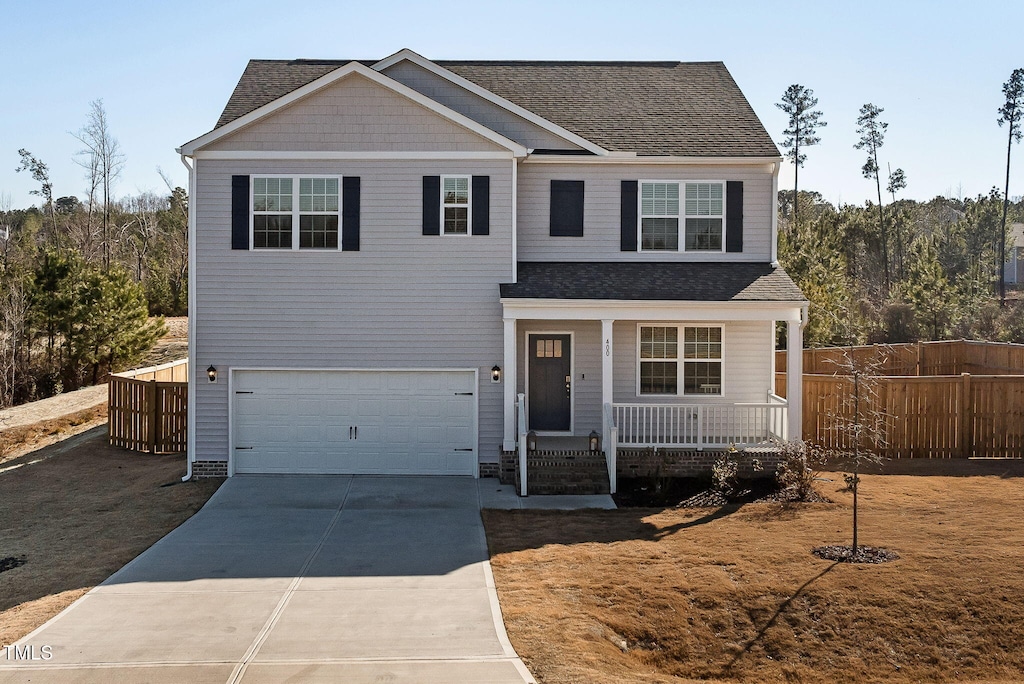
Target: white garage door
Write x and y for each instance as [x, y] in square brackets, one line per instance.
[354, 422]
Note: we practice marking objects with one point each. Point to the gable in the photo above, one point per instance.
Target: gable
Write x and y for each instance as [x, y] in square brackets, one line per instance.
[354, 114]
[494, 116]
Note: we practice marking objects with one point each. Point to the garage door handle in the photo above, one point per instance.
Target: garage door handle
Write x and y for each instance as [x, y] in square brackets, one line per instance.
[357, 432]
[350, 432]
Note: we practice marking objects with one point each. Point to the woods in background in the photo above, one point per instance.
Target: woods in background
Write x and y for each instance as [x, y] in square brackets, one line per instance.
[81, 279]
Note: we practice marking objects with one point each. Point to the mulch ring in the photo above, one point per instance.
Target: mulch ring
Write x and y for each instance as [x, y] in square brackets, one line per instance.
[11, 562]
[865, 554]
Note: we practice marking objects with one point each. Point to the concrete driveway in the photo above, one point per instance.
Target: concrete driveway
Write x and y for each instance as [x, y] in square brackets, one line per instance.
[311, 579]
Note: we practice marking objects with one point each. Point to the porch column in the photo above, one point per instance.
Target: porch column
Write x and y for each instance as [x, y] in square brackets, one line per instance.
[510, 379]
[607, 350]
[606, 362]
[795, 377]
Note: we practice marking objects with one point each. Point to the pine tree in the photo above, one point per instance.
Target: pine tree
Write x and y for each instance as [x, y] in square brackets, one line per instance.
[799, 103]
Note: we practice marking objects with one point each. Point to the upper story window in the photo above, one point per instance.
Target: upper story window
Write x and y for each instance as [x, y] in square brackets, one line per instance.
[662, 369]
[701, 214]
[295, 212]
[455, 205]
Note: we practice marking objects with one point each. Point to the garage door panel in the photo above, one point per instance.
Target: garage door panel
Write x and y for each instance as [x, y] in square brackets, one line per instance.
[409, 422]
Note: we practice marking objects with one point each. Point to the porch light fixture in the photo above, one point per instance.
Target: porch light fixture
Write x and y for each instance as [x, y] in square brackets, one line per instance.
[595, 441]
[531, 441]
[211, 373]
[496, 373]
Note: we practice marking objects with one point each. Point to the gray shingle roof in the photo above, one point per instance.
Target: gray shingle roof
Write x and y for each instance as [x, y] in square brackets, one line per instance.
[651, 108]
[702, 282]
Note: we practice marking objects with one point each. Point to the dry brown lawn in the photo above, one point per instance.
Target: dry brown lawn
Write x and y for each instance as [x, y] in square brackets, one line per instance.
[77, 511]
[734, 594]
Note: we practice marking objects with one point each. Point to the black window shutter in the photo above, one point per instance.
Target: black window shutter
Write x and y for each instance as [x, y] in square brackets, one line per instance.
[734, 216]
[628, 216]
[431, 205]
[481, 205]
[239, 212]
[350, 214]
[566, 208]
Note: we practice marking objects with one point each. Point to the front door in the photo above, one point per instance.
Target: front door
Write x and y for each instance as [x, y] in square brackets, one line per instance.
[550, 369]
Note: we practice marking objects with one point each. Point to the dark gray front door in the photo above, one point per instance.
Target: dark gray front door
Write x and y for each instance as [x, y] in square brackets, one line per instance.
[550, 382]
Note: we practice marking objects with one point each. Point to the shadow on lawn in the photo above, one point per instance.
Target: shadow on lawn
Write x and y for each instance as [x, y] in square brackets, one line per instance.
[587, 526]
[726, 670]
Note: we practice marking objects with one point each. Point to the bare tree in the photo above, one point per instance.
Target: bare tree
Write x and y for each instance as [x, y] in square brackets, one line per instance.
[15, 305]
[1010, 114]
[105, 160]
[141, 228]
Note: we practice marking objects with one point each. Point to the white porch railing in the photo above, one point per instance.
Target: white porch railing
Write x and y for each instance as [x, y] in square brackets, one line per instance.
[610, 439]
[521, 445]
[697, 426]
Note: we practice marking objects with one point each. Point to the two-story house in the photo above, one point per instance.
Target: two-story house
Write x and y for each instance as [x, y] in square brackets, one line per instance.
[404, 266]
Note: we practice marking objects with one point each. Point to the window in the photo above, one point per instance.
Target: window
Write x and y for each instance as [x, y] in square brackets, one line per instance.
[705, 216]
[272, 213]
[659, 360]
[659, 216]
[279, 205]
[703, 375]
[702, 213]
[455, 205]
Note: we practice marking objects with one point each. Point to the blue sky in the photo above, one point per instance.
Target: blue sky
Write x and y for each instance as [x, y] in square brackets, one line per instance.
[164, 71]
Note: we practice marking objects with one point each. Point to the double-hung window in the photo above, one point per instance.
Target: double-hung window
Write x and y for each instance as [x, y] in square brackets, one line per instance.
[700, 214]
[663, 370]
[455, 205]
[295, 212]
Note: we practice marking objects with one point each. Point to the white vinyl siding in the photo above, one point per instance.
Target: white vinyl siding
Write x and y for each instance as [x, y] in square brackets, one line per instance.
[355, 115]
[404, 300]
[602, 206]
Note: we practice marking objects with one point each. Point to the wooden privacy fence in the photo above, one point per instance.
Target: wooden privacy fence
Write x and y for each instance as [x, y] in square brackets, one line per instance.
[930, 405]
[946, 357]
[147, 408]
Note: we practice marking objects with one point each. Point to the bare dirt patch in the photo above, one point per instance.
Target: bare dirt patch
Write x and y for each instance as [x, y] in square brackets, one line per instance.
[77, 511]
[733, 593]
[24, 439]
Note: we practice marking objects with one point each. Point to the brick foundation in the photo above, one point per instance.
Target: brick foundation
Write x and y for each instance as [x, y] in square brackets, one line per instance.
[490, 469]
[201, 469]
[690, 462]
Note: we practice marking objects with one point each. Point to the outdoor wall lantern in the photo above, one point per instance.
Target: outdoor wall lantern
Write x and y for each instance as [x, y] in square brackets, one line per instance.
[496, 373]
[595, 441]
[531, 441]
[211, 373]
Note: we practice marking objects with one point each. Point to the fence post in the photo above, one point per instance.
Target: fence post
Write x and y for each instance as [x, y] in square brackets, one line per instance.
[966, 418]
[151, 414]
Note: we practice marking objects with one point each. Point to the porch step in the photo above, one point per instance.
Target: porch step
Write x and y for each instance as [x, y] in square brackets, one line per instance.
[564, 472]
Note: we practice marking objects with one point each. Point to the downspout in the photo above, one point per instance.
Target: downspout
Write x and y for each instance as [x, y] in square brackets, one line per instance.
[190, 449]
[775, 214]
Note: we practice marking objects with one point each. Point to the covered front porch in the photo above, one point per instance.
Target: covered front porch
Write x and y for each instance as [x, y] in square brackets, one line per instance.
[668, 374]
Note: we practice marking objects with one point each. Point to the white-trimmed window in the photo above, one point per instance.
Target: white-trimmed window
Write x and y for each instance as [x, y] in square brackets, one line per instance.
[663, 370]
[455, 198]
[295, 212]
[701, 214]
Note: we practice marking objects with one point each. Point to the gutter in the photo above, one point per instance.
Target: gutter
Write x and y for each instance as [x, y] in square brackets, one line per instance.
[190, 449]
